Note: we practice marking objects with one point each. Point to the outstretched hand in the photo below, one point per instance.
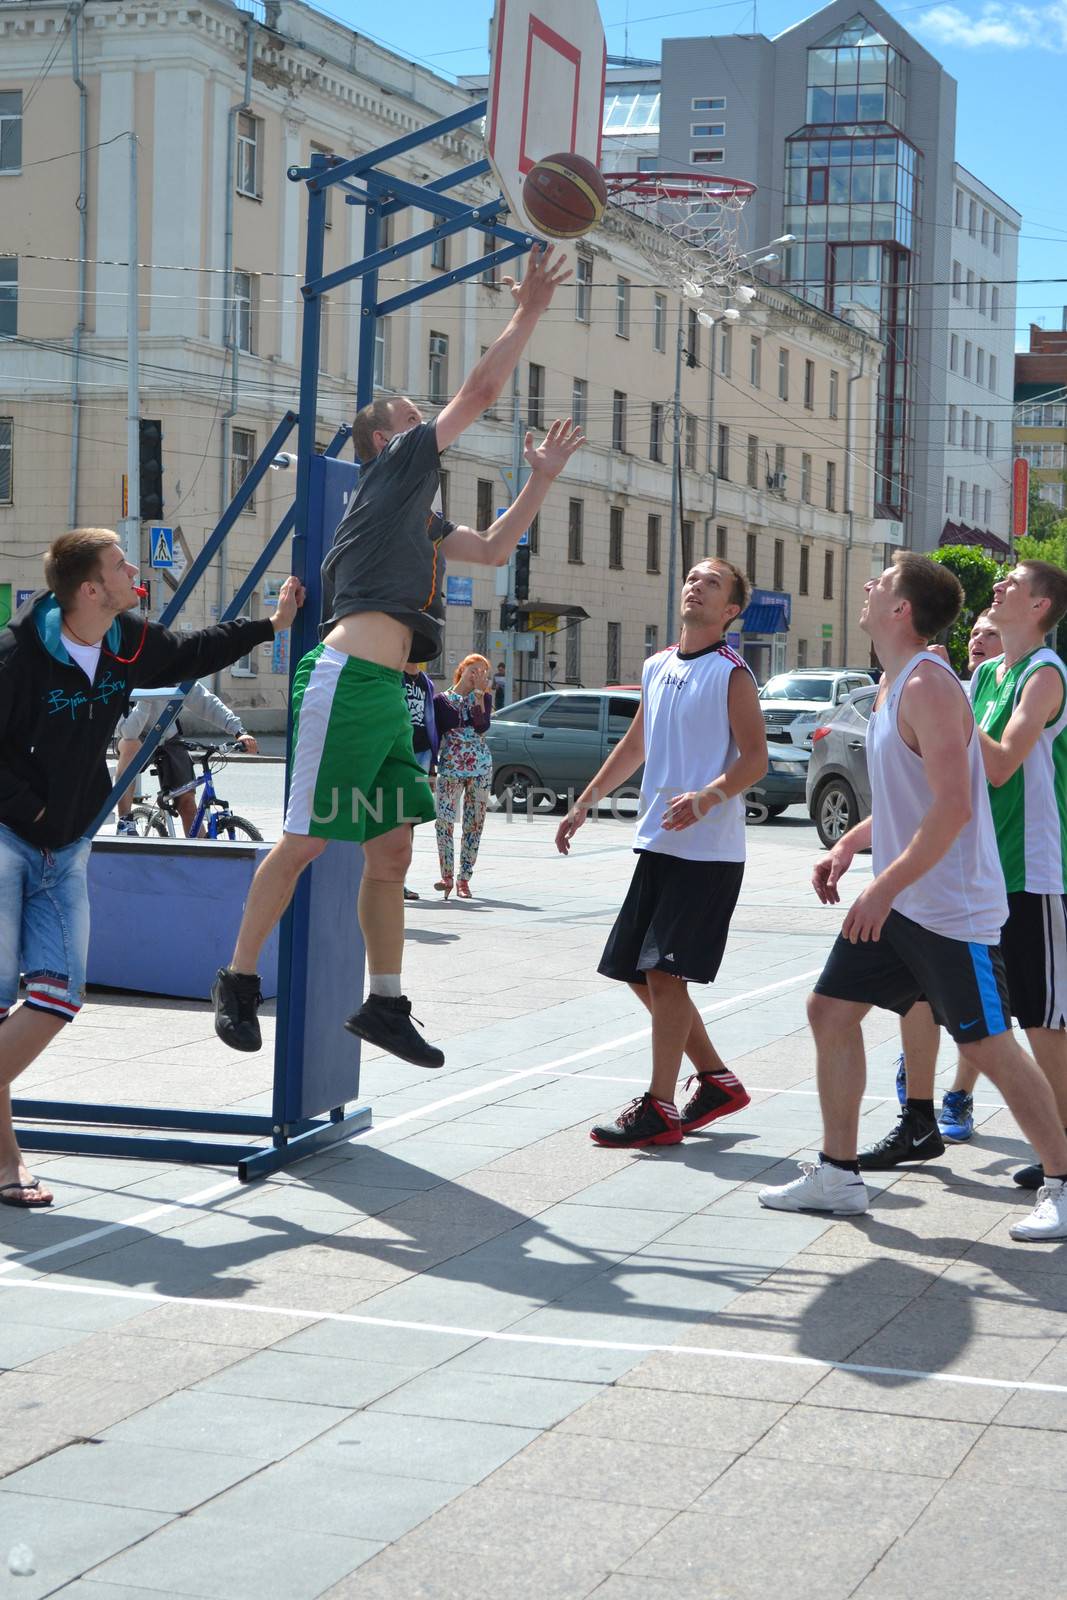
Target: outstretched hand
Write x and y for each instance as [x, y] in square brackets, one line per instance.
[290, 599]
[556, 448]
[545, 271]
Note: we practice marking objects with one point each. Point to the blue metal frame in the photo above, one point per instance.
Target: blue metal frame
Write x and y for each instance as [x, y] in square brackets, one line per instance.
[363, 182]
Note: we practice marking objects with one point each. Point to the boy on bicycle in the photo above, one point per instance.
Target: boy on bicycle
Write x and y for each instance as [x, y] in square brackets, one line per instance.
[173, 761]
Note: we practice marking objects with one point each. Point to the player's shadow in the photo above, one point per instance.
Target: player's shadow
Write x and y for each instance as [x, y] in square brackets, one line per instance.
[429, 936]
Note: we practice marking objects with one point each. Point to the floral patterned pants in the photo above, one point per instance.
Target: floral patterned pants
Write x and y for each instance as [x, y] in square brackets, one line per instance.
[475, 799]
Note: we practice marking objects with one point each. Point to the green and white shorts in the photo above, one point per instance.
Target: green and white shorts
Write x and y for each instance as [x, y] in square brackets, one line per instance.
[354, 773]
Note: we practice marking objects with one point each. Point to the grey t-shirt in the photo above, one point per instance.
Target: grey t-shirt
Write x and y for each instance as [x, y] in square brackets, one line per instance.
[386, 553]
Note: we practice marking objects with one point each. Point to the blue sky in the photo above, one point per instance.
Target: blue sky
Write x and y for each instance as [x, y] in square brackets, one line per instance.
[1008, 58]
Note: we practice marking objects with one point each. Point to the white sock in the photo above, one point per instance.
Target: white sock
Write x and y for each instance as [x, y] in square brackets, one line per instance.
[385, 983]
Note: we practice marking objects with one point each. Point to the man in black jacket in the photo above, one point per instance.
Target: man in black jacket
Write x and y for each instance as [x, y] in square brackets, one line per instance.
[68, 662]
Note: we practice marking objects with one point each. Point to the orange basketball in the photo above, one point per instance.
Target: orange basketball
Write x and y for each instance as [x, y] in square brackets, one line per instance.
[564, 195]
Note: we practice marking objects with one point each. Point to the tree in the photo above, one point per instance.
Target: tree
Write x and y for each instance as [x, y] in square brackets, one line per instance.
[1045, 519]
[977, 573]
[1052, 547]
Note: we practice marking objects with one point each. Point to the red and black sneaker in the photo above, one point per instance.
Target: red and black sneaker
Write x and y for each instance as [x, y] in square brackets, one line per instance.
[717, 1094]
[643, 1121]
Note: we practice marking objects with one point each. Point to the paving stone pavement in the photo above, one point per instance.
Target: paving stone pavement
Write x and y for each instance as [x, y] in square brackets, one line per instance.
[471, 1355]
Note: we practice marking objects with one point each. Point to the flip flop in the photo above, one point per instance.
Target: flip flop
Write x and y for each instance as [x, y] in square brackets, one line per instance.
[7, 1189]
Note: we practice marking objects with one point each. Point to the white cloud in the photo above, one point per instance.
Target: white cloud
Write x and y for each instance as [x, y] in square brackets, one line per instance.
[1006, 27]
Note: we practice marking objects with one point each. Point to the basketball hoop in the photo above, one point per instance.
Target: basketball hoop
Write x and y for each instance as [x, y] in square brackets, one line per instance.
[686, 226]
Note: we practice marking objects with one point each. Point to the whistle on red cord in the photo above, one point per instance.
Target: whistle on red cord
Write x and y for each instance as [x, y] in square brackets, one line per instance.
[140, 590]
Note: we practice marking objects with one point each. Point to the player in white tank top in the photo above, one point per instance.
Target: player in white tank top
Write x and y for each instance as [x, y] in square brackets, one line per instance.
[929, 828]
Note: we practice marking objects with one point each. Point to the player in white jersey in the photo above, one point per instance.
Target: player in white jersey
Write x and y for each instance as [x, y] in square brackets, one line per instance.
[700, 733]
[928, 924]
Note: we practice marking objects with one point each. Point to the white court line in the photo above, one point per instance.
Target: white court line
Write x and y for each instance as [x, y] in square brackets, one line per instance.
[233, 1185]
[559, 1342]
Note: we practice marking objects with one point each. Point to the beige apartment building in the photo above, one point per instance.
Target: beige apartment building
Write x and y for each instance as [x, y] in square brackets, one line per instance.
[776, 412]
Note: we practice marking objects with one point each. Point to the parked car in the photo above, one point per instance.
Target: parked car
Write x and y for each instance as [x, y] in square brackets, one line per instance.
[794, 703]
[838, 787]
[785, 783]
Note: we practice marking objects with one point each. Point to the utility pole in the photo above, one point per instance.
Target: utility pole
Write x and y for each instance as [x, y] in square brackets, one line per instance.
[132, 531]
[676, 462]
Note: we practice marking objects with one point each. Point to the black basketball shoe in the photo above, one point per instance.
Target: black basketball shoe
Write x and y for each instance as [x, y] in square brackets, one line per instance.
[385, 1020]
[642, 1122]
[913, 1139]
[237, 997]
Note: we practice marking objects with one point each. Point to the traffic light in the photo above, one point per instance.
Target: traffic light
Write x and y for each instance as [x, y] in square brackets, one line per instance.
[522, 572]
[151, 469]
[512, 618]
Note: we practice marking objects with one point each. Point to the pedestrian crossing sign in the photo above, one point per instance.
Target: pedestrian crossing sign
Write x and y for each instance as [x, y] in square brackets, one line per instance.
[161, 545]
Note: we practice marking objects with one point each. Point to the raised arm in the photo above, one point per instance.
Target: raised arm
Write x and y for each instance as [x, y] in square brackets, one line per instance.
[1039, 704]
[170, 658]
[497, 544]
[545, 271]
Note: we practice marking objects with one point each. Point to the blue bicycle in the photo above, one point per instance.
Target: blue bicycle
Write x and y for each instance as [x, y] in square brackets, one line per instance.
[214, 819]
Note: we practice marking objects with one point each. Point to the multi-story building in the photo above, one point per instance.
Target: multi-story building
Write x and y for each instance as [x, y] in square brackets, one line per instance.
[1041, 411]
[847, 124]
[779, 484]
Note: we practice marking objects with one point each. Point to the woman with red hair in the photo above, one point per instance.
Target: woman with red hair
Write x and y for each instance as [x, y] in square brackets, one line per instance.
[464, 767]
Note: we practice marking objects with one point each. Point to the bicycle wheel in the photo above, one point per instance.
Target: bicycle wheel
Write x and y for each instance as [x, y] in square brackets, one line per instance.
[233, 827]
[149, 821]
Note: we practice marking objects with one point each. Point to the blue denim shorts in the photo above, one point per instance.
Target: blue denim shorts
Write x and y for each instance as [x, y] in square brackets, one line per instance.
[44, 924]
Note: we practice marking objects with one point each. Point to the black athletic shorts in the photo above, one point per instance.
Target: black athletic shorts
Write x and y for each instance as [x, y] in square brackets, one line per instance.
[174, 764]
[1034, 942]
[675, 918]
[965, 984]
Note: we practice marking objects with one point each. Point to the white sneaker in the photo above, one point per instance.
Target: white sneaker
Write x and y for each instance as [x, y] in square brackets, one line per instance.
[1048, 1219]
[824, 1188]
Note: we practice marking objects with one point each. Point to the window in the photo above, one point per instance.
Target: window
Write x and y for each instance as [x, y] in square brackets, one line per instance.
[966, 358]
[707, 130]
[707, 158]
[957, 280]
[959, 208]
[691, 441]
[783, 374]
[827, 652]
[439, 249]
[994, 303]
[977, 435]
[659, 322]
[613, 664]
[722, 466]
[652, 548]
[989, 438]
[720, 542]
[534, 541]
[950, 489]
[831, 486]
[11, 130]
[996, 236]
[805, 479]
[985, 227]
[527, 710]
[975, 497]
[618, 421]
[692, 341]
[802, 652]
[249, 129]
[750, 557]
[962, 512]
[583, 288]
[622, 307]
[580, 403]
[324, 333]
[535, 408]
[778, 581]
[621, 712]
[615, 537]
[7, 461]
[324, 150]
[979, 366]
[484, 510]
[972, 217]
[988, 506]
[491, 276]
[971, 280]
[726, 339]
[809, 386]
[755, 347]
[717, 103]
[381, 353]
[833, 393]
[779, 468]
[687, 544]
[655, 432]
[246, 666]
[245, 306]
[752, 462]
[828, 575]
[437, 388]
[992, 372]
[575, 515]
[954, 352]
[573, 667]
[651, 639]
[805, 569]
[965, 430]
[983, 289]
[480, 634]
[953, 413]
[242, 456]
[578, 711]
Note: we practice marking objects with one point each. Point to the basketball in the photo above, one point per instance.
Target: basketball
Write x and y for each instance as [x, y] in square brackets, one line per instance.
[564, 195]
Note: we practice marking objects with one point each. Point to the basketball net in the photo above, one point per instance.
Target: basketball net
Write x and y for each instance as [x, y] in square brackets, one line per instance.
[686, 227]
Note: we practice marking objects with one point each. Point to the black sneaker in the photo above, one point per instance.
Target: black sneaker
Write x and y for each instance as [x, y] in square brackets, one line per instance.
[1030, 1177]
[717, 1094]
[641, 1122]
[237, 996]
[385, 1020]
[910, 1140]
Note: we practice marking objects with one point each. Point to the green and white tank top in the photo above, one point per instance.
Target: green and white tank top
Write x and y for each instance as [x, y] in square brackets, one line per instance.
[1030, 810]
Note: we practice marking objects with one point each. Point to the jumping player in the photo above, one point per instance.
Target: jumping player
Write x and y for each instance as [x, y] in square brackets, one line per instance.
[354, 771]
[928, 924]
[68, 662]
[700, 733]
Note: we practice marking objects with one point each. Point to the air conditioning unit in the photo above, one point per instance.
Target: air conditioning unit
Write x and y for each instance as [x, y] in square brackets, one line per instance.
[777, 481]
